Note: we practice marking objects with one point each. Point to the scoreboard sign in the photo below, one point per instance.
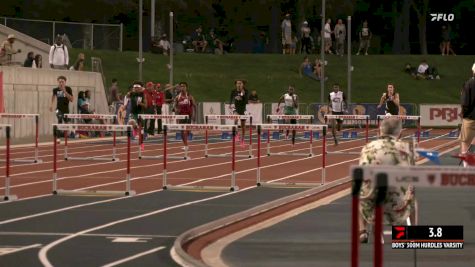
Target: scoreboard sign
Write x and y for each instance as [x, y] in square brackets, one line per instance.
[427, 237]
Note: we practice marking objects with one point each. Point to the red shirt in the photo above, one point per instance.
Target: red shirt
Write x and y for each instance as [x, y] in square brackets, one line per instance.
[159, 98]
[149, 96]
[185, 105]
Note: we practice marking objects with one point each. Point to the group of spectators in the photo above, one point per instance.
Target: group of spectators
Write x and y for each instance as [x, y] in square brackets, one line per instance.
[58, 56]
[334, 39]
[423, 71]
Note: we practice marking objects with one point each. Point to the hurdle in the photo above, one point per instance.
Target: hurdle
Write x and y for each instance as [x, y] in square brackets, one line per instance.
[26, 116]
[91, 127]
[7, 196]
[382, 177]
[349, 117]
[299, 127]
[228, 117]
[272, 118]
[151, 117]
[404, 117]
[185, 127]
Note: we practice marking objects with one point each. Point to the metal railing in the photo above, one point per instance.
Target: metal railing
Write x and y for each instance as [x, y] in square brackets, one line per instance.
[81, 35]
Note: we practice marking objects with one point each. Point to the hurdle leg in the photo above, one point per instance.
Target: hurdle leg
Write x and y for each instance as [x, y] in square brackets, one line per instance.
[355, 230]
[206, 142]
[310, 152]
[418, 130]
[233, 163]
[164, 175]
[258, 155]
[250, 137]
[382, 184]
[55, 158]
[114, 145]
[268, 142]
[367, 130]
[127, 179]
[65, 145]
[324, 155]
[36, 139]
[7, 166]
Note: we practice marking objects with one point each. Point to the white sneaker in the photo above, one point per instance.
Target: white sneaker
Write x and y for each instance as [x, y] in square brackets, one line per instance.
[58, 141]
[365, 54]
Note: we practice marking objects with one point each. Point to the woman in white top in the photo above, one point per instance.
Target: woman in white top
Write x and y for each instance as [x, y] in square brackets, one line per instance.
[291, 104]
[337, 106]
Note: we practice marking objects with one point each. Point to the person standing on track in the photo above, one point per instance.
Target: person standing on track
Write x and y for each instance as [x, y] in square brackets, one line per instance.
[63, 95]
[391, 100]
[291, 104]
[336, 106]
[237, 103]
[185, 105]
[467, 132]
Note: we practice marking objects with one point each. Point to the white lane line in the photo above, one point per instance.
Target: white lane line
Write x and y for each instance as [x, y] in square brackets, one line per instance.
[115, 263]
[211, 254]
[91, 235]
[6, 251]
[42, 255]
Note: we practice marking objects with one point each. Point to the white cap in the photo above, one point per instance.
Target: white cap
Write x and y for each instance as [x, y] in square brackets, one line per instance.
[473, 68]
[305, 22]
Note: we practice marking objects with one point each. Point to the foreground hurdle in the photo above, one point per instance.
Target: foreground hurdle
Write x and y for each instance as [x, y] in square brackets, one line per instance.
[162, 117]
[296, 127]
[404, 117]
[91, 127]
[228, 117]
[382, 177]
[189, 127]
[7, 196]
[26, 116]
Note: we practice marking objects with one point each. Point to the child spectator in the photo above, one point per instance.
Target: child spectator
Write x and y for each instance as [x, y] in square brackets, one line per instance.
[79, 64]
[30, 60]
[38, 62]
[254, 98]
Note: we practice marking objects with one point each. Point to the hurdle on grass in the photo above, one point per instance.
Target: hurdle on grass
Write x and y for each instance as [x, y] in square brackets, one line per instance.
[382, 177]
[296, 127]
[7, 128]
[404, 117]
[208, 127]
[228, 117]
[91, 127]
[152, 117]
[26, 116]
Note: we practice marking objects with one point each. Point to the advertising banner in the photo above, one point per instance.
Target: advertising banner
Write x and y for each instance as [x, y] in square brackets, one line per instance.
[440, 114]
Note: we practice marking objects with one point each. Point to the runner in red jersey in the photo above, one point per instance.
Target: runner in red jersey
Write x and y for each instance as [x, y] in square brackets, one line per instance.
[185, 105]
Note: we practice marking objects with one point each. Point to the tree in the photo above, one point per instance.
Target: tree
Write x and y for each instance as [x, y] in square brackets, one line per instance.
[421, 7]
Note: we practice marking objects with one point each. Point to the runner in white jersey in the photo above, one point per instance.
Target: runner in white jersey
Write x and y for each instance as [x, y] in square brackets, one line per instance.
[336, 106]
[291, 103]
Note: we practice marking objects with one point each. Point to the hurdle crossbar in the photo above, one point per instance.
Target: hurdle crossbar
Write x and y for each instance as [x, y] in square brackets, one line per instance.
[175, 127]
[404, 117]
[234, 117]
[36, 158]
[290, 117]
[91, 127]
[350, 117]
[7, 196]
[383, 177]
[141, 135]
[87, 127]
[92, 116]
[301, 127]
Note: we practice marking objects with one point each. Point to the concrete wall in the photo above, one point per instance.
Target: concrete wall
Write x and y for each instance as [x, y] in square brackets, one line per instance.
[26, 44]
[28, 90]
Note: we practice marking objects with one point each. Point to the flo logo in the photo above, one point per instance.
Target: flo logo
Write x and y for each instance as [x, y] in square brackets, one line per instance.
[442, 17]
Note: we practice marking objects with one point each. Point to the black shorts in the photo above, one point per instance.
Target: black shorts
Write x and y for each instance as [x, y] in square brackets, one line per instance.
[338, 113]
[240, 110]
[185, 121]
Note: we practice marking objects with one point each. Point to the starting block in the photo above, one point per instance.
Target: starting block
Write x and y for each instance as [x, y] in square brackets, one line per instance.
[316, 135]
[178, 136]
[423, 134]
[454, 134]
[349, 135]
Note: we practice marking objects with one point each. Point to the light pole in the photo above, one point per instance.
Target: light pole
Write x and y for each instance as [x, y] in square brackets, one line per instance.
[322, 56]
[350, 69]
[171, 48]
[140, 59]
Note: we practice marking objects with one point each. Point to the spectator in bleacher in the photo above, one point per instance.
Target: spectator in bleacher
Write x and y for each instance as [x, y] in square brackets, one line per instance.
[7, 50]
[400, 202]
[127, 106]
[30, 60]
[63, 95]
[327, 37]
[58, 55]
[365, 39]
[305, 41]
[254, 98]
[114, 95]
[79, 64]
[169, 96]
[199, 40]
[38, 62]
[149, 108]
[164, 45]
[87, 95]
[286, 28]
[159, 101]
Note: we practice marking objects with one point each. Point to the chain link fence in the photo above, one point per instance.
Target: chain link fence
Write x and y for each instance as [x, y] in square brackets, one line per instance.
[78, 35]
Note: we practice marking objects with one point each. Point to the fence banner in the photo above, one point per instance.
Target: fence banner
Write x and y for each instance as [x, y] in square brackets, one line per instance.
[440, 114]
[371, 109]
[211, 108]
[2, 105]
[255, 110]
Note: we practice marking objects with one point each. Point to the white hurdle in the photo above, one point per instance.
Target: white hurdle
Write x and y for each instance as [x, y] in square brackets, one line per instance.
[91, 127]
[296, 127]
[309, 118]
[404, 117]
[349, 117]
[26, 116]
[162, 117]
[228, 117]
[7, 196]
[209, 127]
[381, 177]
